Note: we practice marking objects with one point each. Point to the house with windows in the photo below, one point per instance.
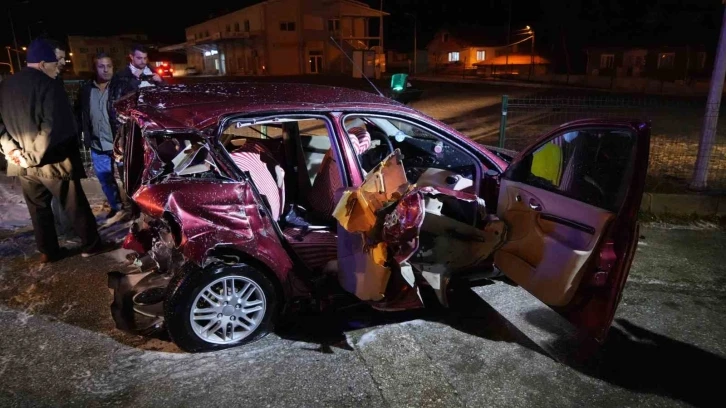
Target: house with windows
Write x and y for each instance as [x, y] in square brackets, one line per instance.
[285, 37]
[458, 49]
[666, 63]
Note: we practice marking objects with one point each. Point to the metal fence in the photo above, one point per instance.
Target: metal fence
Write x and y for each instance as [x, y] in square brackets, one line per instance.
[676, 129]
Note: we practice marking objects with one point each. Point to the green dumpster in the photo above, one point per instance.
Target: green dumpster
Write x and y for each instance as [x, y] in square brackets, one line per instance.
[398, 82]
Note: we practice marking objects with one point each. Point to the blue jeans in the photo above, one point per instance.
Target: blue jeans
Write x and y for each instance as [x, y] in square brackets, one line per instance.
[103, 164]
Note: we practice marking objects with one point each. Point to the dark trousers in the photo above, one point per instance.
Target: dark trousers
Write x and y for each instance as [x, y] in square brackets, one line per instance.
[38, 193]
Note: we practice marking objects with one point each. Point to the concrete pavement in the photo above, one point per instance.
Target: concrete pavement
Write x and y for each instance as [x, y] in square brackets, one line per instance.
[497, 347]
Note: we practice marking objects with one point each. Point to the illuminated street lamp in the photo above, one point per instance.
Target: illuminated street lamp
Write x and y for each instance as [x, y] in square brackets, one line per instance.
[527, 30]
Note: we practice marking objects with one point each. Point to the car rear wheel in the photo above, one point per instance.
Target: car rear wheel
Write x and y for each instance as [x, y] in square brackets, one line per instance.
[220, 308]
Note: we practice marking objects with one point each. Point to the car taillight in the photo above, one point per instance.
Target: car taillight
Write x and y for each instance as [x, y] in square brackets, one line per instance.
[160, 71]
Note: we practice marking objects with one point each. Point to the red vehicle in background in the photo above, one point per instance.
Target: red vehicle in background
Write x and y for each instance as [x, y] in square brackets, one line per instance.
[165, 70]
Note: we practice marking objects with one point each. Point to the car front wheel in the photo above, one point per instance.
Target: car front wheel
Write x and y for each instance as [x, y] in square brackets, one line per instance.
[220, 308]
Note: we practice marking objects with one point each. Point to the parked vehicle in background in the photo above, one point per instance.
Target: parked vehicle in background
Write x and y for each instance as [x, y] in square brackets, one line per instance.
[165, 70]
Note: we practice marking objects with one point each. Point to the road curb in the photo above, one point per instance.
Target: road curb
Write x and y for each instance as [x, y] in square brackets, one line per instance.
[683, 204]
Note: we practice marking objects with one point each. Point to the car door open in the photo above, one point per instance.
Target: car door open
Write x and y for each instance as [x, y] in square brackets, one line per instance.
[570, 203]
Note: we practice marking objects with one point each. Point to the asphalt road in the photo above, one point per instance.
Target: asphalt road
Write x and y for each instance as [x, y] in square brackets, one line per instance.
[497, 347]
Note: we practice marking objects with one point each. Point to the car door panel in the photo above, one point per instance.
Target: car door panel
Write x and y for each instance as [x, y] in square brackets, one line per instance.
[539, 248]
[570, 202]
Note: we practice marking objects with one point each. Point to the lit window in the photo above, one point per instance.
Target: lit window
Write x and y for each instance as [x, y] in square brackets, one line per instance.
[454, 56]
[481, 55]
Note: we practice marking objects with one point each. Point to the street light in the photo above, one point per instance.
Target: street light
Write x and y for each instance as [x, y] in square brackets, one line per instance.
[531, 69]
[527, 30]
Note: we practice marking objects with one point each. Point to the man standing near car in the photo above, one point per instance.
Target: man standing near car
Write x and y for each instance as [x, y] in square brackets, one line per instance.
[38, 136]
[127, 80]
[62, 224]
[92, 109]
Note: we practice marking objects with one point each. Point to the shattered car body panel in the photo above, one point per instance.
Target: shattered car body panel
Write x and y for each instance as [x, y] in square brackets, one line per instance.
[191, 215]
[400, 222]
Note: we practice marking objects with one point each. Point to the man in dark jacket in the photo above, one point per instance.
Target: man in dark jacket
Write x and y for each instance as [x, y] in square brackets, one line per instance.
[126, 80]
[63, 225]
[129, 79]
[97, 135]
[38, 135]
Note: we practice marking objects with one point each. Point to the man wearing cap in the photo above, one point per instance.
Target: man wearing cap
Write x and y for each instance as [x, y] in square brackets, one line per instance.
[38, 136]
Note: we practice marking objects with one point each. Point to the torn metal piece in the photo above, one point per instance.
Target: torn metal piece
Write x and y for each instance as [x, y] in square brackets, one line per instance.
[438, 278]
[399, 222]
[407, 273]
[357, 209]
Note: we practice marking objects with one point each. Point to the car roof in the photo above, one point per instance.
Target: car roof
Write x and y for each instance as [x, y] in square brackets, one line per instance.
[201, 105]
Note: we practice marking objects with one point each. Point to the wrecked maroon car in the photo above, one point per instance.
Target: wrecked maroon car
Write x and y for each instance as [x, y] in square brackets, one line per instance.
[251, 196]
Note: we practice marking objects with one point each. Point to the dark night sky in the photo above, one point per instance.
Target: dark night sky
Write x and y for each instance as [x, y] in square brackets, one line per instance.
[577, 22]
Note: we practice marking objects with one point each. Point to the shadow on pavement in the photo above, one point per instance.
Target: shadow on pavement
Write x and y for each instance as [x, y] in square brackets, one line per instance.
[640, 360]
[468, 313]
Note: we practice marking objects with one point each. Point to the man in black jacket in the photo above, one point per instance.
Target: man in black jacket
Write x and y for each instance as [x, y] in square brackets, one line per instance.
[128, 79]
[97, 135]
[39, 138]
[63, 225]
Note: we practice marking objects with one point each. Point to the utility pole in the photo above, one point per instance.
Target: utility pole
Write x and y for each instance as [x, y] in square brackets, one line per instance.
[380, 30]
[415, 39]
[10, 61]
[415, 46]
[509, 31]
[15, 40]
[710, 119]
[531, 69]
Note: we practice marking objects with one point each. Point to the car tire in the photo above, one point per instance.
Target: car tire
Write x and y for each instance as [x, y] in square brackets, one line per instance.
[185, 292]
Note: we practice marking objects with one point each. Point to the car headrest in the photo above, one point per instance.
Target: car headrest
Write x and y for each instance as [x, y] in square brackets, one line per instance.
[360, 138]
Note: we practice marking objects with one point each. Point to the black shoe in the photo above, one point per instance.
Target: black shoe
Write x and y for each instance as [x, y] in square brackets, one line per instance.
[55, 256]
[99, 248]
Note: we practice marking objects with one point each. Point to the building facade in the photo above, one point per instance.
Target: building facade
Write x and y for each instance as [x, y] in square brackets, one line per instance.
[667, 63]
[83, 49]
[282, 37]
[485, 51]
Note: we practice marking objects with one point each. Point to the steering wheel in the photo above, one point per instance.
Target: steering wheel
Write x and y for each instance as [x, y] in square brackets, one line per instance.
[376, 134]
